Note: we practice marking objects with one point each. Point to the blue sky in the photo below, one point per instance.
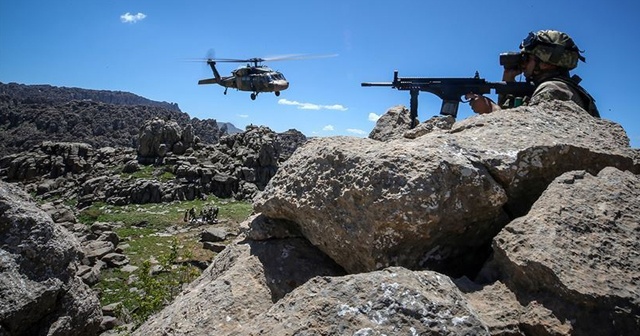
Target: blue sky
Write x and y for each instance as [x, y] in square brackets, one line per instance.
[140, 47]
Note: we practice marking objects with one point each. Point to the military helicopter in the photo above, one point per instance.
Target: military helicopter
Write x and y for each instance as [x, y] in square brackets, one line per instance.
[254, 77]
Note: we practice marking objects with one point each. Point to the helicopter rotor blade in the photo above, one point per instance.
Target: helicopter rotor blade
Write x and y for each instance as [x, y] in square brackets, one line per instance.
[295, 57]
[256, 60]
[231, 60]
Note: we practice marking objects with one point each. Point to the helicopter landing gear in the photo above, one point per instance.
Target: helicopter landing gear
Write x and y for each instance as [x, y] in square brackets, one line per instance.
[277, 93]
[254, 95]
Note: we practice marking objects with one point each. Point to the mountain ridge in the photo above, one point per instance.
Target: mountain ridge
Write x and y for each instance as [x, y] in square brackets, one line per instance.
[30, 114]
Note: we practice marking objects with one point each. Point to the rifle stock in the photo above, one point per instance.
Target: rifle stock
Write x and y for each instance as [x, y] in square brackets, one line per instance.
[451, 90]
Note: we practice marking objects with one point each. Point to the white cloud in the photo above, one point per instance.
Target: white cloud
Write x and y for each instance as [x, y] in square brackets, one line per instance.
[328, 128]
[132, 18]
[243, 116]
[336, 107]
[373, 117]
[356, 131]
[310, 106]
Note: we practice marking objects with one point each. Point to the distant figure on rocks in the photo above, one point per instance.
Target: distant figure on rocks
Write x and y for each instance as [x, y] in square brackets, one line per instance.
[210, 214]
[214, 214]
[192, 215]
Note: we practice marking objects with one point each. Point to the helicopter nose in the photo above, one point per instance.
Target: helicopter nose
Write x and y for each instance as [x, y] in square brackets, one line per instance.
[280, 85]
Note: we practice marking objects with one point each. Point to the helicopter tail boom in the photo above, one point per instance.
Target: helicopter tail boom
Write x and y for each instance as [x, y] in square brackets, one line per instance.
[209, 81]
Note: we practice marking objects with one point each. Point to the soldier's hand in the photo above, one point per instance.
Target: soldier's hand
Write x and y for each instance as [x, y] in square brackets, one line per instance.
[509, 75]
[481, 104]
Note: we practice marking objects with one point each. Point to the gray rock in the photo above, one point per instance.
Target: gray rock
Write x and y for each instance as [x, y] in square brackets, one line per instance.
[115, 260]
[243, 281]
[109, 322]
[392, 125]
[577, 252]
[131, 166]
[437, 201]
[111, 309]
[157, 137]
[213, 234]
[215, 247]
[431, 125]
[89, 275]
[394, 301]
[96, 249]
[371, 204]
[40, 291]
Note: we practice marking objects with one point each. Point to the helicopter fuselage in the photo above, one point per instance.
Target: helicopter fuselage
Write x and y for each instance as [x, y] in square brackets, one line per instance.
[255, 79]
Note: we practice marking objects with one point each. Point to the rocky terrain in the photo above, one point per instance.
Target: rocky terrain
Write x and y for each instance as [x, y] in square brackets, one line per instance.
[519, 222]
[68, 170]
[94, 143]
[30, 114]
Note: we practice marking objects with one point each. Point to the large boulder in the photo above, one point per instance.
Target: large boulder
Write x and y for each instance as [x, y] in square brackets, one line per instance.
[40, 293]
[158, 136]
[394, 301]
[577, 252]
[438, 200]
[526, 148]
[369, 204]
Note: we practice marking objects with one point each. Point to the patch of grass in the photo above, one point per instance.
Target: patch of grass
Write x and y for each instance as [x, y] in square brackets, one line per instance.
[166, 176]
[145, 172]
[162, 174]
[144, 229]
[91, 214]
[160, 216]
[236, 210]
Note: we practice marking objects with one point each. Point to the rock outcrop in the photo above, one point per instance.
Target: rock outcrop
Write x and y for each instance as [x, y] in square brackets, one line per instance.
[437, 200]
[533, 214]
[40, 293]
[158, 137]
[241, 283]
[392, 124]
[577, 252]
[31, 114]
[239, 166]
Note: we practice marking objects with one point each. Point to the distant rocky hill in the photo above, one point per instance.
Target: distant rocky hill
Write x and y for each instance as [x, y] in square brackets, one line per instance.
[230, 128]
[55, 94]
[30, 114]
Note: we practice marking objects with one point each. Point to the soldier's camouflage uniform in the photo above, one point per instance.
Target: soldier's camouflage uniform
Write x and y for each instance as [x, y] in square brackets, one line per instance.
[551, 90]
[559, 87]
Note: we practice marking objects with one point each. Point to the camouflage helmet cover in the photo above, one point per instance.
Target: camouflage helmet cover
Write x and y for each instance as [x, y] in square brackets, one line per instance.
[553, 47]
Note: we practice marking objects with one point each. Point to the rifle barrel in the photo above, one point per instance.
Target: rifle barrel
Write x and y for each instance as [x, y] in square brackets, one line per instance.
[377, 84]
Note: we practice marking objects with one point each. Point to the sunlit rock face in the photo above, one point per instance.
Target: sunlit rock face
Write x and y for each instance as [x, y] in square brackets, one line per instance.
[520, 222]
[435, 201]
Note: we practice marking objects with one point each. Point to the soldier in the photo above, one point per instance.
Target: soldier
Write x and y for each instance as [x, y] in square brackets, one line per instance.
[214, 214]
[192, 215]
[547, 56]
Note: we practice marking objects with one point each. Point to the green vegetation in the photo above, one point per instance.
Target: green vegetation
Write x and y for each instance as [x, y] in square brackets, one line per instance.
[150, 172]
[161, 248]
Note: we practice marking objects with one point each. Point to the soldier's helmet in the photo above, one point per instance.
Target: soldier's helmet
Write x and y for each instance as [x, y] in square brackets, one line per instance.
[553, 47]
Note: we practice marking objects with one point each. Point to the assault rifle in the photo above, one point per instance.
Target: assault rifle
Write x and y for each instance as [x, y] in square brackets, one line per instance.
[450, 90]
